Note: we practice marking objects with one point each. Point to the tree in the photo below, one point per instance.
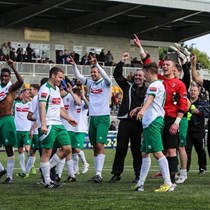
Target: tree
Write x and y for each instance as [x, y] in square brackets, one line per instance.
[201, 56]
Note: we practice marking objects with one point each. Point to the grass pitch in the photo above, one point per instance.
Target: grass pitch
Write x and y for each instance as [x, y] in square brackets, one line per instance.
[25, 194]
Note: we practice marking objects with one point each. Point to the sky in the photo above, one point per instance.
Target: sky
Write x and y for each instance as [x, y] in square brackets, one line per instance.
[202, 43]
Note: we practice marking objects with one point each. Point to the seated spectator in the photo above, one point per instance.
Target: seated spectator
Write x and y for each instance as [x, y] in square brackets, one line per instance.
[12, 54]
[113, 126]
[85, 59]
[59, 59]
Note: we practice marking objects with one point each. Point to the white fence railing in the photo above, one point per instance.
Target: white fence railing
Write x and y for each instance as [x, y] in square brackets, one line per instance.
[35, 71]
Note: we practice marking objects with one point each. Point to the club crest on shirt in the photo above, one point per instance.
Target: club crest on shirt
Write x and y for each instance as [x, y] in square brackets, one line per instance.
[43, 95]
[173, 84]
[66, 107]
[153, 89]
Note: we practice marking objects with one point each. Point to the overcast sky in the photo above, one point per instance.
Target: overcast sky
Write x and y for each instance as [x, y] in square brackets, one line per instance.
[201, 43]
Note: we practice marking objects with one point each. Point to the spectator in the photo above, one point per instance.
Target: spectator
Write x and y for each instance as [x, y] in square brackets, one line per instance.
[59, 59]
[65, 56]
[4, 50]
[109, 58]
[102, 56]
[112, 126]
[85, 59]
[12, 54]
[129, 129]
[29, 51]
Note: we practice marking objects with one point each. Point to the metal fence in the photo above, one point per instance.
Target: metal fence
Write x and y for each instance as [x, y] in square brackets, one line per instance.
[34, 71]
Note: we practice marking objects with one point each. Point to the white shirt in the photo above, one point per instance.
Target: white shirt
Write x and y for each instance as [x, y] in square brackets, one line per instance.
[51, 95]
[99, 97]
[77, 112]
[33, 108]
[20, 116]
[155, 109]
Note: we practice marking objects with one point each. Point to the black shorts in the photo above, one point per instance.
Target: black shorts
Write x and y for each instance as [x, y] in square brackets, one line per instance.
[169, 141]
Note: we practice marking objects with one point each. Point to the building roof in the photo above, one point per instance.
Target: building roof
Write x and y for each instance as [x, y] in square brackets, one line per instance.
[157, 20]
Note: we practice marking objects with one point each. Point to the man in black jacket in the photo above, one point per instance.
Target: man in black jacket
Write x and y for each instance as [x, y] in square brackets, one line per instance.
[129, 128]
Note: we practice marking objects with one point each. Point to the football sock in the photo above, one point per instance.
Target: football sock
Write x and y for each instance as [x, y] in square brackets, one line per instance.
[69, 165]
[100, 159]
[10, 166]
[22, 162]
[60, 166]
[54, 160]
[173, 165]
[164, 169]
[45, 167]
[1, 167]
[82, 157]
[146, 164]
[30, 163]
[75, 159]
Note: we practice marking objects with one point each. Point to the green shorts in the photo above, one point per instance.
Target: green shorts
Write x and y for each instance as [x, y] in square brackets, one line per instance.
[183, 126]
[98, 129]
[7, 131]
[57, 136]
[23, 139]
[77, 139]
[35, 142]
[152, 136]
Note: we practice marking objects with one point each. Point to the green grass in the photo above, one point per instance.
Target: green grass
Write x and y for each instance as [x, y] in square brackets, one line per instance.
[25, 194]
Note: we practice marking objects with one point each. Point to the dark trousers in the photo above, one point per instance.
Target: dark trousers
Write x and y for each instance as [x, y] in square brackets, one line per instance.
[128, 131]
[196, 140]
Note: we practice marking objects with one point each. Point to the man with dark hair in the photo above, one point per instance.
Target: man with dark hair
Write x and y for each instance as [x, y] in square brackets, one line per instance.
[7, 125]
[53, 132]
[129, 129]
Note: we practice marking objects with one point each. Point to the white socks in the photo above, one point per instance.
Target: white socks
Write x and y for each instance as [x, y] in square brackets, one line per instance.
[60, 166]
[30, 163]
[82, 157]
[100, 159]
[54, 160]
[75, 159]
[146, 164]
[10, 166]
[183, 172]
[69, 165]
[1, 167]
[22, 162]
[45, 167]
[164, 169]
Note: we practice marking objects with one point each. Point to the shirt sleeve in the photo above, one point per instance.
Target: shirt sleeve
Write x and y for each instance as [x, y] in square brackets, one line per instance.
[43, 94]
[33, 105]
[182, 102]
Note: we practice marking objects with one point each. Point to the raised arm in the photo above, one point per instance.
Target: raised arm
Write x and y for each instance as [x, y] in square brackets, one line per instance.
[77, 74]
[195, 75]
[85, 99]
[20, 80]
[76, 98]
[144, 57]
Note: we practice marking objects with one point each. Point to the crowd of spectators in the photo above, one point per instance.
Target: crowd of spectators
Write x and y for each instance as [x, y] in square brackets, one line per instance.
[21, 54]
